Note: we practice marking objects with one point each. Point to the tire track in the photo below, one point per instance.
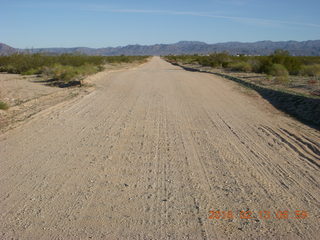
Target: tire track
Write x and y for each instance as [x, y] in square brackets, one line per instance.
[149, 154]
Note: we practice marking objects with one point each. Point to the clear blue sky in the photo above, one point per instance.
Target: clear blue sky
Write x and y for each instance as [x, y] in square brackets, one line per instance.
[97, 23]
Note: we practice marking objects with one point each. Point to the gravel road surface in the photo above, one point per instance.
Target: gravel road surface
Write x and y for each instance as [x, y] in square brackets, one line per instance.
[150, 153]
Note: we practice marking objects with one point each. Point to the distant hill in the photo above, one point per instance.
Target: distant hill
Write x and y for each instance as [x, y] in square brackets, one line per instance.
[6, 50]
[309, 48]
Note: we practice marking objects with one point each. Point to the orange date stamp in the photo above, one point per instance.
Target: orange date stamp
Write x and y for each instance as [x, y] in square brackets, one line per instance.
[263, 215]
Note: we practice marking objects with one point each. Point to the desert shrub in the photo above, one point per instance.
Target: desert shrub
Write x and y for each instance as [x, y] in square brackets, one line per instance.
[222, 59]
[207, 62]
[292, 64]
[3, 105]
[19, 63]
[69, 73]
[65, 67]
[124, 59]
[8, 68]
[240, 66]
[216, 60]
[31, 71]
[255, 64]
[304, 65]
[64, 73]
[32, 63]
[265, 64]
[310, 70]
[280, 72]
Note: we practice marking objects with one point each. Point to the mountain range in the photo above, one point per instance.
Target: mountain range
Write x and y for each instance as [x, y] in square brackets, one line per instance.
[306, 48]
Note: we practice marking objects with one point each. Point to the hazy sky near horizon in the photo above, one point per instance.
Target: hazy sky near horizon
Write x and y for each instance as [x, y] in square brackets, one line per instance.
[98, 23]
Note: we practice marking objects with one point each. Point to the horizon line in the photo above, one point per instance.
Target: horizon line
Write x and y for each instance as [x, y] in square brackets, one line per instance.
[137, 44]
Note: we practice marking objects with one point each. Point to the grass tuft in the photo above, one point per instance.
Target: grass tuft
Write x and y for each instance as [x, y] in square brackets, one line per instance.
[4, 106]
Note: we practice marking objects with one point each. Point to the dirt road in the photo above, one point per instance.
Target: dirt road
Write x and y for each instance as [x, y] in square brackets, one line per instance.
[149, 154]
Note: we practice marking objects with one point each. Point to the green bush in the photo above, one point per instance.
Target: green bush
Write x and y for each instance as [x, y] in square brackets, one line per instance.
[65, 67]
[3, 105]
[255, 64]
[265, 64]
[31, 71]
[240, 66]
[70, 73]
[280, 72]
[258, 64]
[221, 59]
[64, 73]
[310, 70]
[292, 64]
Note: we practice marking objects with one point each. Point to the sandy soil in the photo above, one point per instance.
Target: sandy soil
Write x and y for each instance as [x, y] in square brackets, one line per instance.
[149, 154]
[305, 85]
[29, 95]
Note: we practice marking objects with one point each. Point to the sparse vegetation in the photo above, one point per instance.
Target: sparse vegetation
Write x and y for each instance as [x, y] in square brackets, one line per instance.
[259, 64]
[301, 73]
[68, 69]
[280, 72]
[3, 106]
[311, 70]
[241, 66]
